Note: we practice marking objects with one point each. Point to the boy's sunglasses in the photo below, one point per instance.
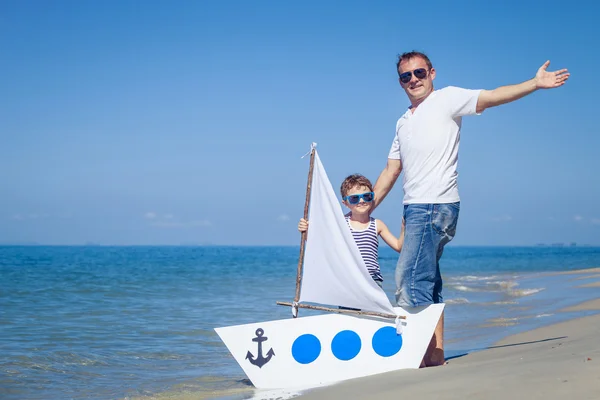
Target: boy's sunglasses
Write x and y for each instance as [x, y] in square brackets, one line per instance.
[420, 73]
[355, 198]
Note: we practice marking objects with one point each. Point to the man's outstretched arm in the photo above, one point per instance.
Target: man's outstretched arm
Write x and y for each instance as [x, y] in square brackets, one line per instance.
[506, 94]
[386, 180]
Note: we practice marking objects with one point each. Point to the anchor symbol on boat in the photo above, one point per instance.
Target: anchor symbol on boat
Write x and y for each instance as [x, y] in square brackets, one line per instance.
[260, 360]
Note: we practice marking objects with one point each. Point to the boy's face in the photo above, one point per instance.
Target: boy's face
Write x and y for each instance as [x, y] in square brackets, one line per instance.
[362, 205]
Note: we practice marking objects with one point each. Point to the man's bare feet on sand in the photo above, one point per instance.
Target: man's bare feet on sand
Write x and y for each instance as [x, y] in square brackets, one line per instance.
[435, 359]
[423, 365]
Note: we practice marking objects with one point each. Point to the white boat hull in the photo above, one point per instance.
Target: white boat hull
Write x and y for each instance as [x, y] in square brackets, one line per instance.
[311, 351]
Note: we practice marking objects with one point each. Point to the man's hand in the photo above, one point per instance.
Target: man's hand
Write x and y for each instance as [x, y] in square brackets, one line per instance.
[549, 80]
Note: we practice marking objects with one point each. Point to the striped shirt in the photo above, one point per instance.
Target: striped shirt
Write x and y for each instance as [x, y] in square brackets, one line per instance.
[368, 244]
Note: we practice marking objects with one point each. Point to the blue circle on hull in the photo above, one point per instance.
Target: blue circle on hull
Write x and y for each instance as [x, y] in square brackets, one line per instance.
[306, 348]
[386, 342]
[346, 345]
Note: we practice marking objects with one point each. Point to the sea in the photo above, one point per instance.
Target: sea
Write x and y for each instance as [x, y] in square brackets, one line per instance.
[101, 322]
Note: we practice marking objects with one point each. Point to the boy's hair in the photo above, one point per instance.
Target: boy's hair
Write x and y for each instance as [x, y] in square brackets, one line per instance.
[352, 181]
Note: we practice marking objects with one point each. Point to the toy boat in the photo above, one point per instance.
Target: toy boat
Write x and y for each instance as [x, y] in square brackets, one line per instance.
[360, 334]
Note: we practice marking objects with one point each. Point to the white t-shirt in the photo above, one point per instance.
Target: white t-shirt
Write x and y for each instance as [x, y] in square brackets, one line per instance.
[427, 144]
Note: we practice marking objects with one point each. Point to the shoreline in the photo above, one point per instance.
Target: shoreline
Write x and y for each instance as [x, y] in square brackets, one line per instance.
[549, 362]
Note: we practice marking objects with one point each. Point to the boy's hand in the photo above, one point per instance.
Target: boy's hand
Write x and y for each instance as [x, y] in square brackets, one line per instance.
[303, 225]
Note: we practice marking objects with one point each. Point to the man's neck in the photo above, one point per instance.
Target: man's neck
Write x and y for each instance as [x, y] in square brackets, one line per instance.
[414, 103]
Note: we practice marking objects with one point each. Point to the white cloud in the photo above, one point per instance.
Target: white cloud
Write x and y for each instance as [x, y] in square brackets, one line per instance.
[578, 218]
[181, 224]
[595, 221]
[169, 220]
[502, 218]
[283, 218]
[35, 216]
[155, 216]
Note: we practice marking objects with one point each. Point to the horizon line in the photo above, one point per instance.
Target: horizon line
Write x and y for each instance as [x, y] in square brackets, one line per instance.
[91, 244]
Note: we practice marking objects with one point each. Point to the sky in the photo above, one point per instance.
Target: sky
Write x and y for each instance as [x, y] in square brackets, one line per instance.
[184, 122]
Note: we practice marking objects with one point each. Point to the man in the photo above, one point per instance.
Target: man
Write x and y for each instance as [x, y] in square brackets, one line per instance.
[426, 149]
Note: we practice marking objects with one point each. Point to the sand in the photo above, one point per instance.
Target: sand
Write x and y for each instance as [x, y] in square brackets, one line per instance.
[561, 361]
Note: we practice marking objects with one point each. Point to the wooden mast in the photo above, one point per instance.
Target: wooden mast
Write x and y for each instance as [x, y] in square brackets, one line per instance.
[303, 235]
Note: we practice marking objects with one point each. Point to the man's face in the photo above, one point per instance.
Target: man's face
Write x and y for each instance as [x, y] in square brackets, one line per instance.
[417, 88]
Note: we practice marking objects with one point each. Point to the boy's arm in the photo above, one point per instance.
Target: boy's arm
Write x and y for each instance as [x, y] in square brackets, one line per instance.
[401, 238]
[388, 237]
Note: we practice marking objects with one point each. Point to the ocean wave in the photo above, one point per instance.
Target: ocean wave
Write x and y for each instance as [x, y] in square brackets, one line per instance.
[508, 287]
[275, 394]
[203, 387]
[524, 292]
[463, 288]
[502, 286]
[458, 300]
[494, 322]
[498, 286]
[472, 278]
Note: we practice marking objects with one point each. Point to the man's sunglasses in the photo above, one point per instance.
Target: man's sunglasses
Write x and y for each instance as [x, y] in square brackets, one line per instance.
[355, 198]
[420, 73]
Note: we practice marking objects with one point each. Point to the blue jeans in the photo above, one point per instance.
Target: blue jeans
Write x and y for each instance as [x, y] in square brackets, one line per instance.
[429, 227]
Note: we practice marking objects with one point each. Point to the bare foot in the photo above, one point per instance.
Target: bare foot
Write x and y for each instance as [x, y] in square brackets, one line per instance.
[436, 358]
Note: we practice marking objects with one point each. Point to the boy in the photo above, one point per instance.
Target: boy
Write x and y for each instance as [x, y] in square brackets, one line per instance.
[357, 195]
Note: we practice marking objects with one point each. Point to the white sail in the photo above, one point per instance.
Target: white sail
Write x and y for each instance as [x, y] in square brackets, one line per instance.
[334, 272]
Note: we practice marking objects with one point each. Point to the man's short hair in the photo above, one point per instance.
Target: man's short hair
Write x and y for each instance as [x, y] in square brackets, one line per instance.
[354, 180]
[412, 54]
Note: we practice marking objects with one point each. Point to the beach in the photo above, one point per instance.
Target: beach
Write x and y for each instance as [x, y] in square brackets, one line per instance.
[552, 362]
[83, 322]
